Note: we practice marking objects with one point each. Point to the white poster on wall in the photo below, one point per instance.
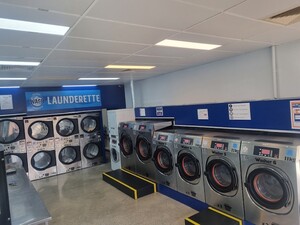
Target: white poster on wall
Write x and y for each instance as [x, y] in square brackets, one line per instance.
[202, 114]
[142, 112]
[6, 102]
[295, 114]
[239, 111]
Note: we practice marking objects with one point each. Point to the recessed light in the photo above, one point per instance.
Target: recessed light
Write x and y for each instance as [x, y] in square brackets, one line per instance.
[132, 67]
[186, 44]
[99, 78]
[10, 87]
[88, 85]
[19, 63]
[13, 78]
[27, 26]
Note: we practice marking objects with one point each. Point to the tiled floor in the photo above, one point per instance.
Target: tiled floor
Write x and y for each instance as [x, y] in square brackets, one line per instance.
[83, 198]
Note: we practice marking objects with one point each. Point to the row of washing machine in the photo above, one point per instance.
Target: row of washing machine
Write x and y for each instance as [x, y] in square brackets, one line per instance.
[255, 178]
[46, 146]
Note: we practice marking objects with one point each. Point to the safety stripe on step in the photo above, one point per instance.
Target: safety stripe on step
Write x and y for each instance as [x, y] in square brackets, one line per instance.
[126, 185]
[192, 221]
[227, 215]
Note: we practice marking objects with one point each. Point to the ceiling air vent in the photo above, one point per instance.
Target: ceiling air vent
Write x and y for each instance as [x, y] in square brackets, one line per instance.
[286, 18]
[17, 68]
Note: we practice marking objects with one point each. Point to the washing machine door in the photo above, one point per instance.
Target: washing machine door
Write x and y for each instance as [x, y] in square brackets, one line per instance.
[163, 160]
[91, 151]
[41, 160]
[270, 189]
[126, 145]
[143, 149]
[65, 127]
[38, 130]
[114, 155]
[188, 167]
[89, 124]
[221, 176]
[9, 131]
[67, 155]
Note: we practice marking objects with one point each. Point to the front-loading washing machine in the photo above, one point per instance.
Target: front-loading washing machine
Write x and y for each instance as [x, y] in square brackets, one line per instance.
[270, 173]
[12, 137]
[143, 132]
[90, 139]
[66, 136]
[115, 154]
[163, 158]
[222, 170]
[40, 147]
[126, 143]
[188, 156]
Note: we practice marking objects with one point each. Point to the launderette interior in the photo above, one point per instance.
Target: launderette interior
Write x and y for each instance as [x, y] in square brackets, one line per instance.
[136, 112]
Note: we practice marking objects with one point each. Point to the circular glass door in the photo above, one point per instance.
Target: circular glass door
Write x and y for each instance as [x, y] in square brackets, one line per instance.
[41, 160]
[221, 176]
[268, 188]
[9, 131]
[38, 130]
[163, 160]
[188, 167]
[67, 155]
[143, 149]
[65, 127]
[89, 124]
[14, 160]
[114, 155]
[126, 145]
[91, 151]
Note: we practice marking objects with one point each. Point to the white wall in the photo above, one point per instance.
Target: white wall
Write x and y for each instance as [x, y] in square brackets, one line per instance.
[246, 77]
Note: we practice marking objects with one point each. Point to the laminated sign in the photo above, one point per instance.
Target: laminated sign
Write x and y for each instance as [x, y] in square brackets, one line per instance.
[295, 114]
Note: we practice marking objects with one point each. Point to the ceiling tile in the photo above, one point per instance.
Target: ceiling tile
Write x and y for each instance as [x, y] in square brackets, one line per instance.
[231, 26]
[11, 83]
[21, 52]
[67, 6]
[261, 9]
[96, 29]
[164, 14]
[150, 60]
[15, 73]
[44, 71]
[215, 4]
[243, 46]
[100, 46]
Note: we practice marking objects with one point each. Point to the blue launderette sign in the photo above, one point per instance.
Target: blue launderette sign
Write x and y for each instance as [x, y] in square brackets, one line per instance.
[56, 100]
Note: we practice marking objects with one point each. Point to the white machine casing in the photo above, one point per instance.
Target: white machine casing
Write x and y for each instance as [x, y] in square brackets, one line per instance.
[67, 146]
[90, 139]
[115, 154]
[271, 177]
[143, 132]
[40, 147]
[222, 173]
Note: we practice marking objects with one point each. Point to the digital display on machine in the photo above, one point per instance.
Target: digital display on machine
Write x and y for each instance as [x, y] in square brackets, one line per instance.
[219, 145]
[162, 137]
[125, 125]
[186, 141]
[266, 152]
[142, 127]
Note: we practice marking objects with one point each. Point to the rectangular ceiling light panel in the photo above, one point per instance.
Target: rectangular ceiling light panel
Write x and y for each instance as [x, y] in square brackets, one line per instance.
[129, 67]
[19, 63]
[26, 26]
[13, 78]
[99, 78]
[88, 85]
[186, 44]
[10, 87]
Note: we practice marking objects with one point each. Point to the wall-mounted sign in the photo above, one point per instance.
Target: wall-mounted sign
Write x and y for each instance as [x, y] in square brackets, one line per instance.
[239, 111]
[57, 100]
[159, 111]
[6, 102]
[295, 114]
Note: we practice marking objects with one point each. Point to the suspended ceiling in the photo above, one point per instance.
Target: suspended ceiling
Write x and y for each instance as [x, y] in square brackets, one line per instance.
[125, 32]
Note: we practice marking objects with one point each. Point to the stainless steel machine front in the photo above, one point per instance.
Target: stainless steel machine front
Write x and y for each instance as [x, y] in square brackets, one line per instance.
[270, 173]
[222, 182]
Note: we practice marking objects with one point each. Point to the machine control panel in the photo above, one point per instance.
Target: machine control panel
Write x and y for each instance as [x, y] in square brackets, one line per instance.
[16, 147]
[186, 141]
[266, 151]
[162, 137]
[219, 145]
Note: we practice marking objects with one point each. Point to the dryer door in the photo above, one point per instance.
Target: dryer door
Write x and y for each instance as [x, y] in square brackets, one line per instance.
[41, 160]
[163, 160]
[188, 167]
[12, 159]
[126, 145]
[65, 127]
[38, 130]
[9, 131]
[67, 155]
[143, 149]
[270, 189]
[221, 176]
[89, 124]
[114, 155]
[91, 151]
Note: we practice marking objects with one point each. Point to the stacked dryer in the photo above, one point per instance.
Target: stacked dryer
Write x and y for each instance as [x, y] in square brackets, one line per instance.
[40, 147]
[90, 138]
[67, 146]
[114, 118]
[13, 139]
